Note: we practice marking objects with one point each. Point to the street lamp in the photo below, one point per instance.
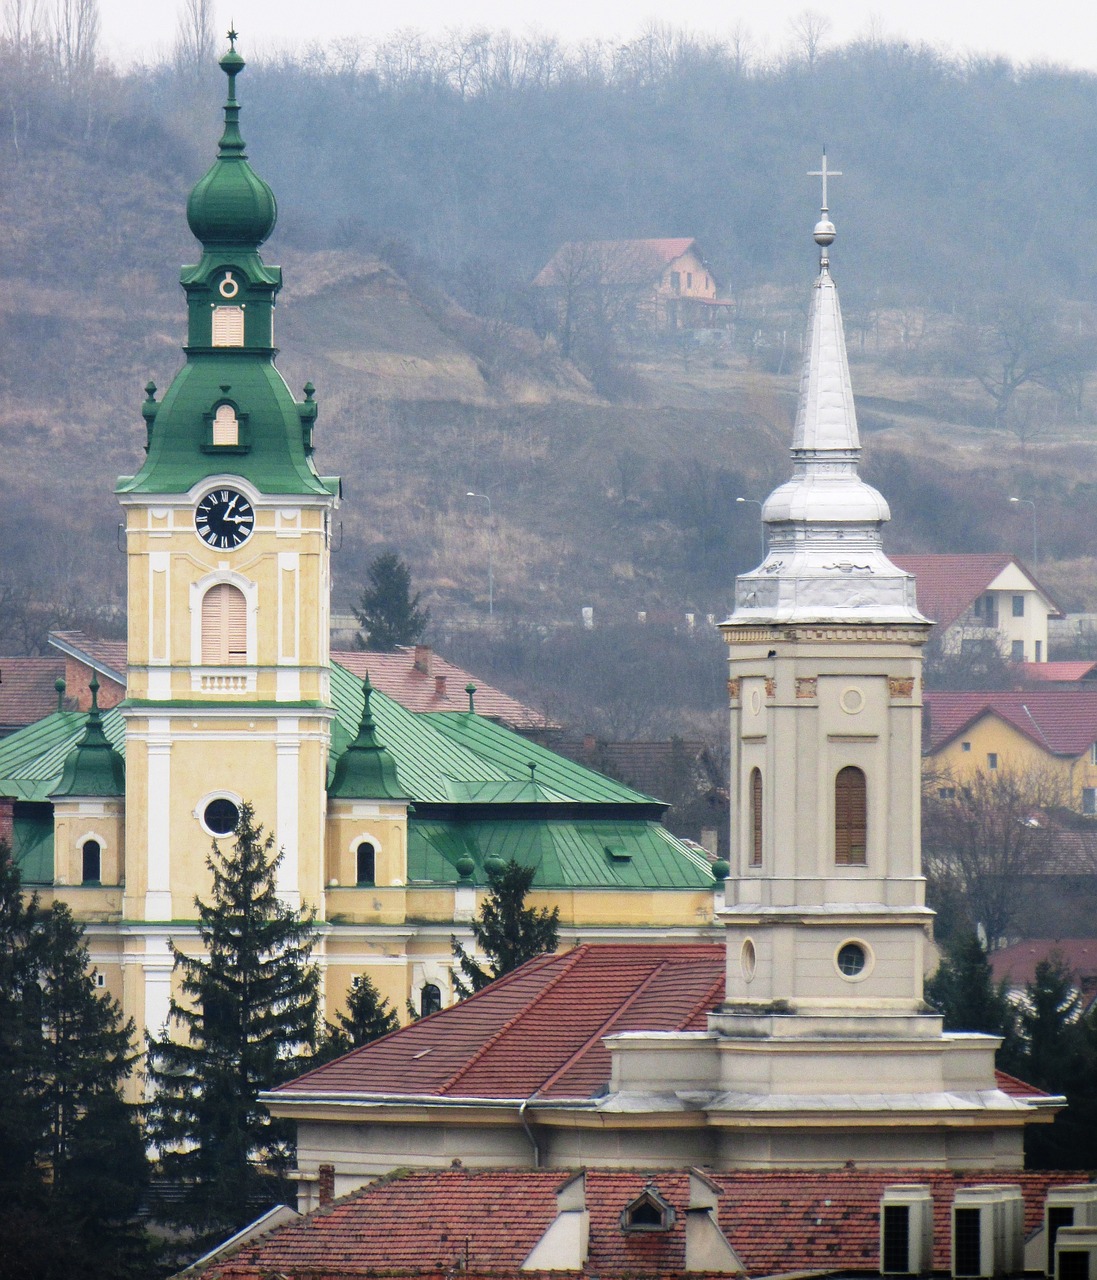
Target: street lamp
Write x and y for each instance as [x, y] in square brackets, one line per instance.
[1027, 502]
[761, 525]
[491, 568]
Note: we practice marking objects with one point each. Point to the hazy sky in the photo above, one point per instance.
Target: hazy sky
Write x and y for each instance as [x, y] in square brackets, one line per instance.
[1063, 31]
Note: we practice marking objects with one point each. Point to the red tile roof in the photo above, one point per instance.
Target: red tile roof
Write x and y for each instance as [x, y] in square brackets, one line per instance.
[539, 1029]
[421, 680]
[27, 690]
[1017, 964]
[1059, 670]
[1062, 721]
[486, 1223]
[105, 655]
[614, 261]
[947, 585]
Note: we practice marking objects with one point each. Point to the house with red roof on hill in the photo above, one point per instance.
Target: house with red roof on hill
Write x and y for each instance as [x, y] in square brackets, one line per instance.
[981, 599]
[665, 282]
[1050, 733]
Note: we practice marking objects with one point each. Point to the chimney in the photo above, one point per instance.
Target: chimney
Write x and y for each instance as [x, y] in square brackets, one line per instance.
[326, 1174]
[440, 686]
[422, 658]
[589, 744]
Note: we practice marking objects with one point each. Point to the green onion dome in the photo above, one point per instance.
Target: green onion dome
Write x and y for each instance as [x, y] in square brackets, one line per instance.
[231, 204]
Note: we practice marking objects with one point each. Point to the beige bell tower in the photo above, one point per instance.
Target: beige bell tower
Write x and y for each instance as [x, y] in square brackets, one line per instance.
[826, 911]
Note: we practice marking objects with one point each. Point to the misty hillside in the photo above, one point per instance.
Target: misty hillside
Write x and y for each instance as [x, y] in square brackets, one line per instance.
[422, 185]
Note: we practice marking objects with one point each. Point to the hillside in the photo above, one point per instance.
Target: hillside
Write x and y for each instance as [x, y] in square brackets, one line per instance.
[613, 478]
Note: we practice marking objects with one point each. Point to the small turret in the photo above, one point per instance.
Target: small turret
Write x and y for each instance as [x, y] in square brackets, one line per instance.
[366, 770]
[93, 767]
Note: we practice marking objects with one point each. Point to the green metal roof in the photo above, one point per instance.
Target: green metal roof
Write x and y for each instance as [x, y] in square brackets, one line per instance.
[567, 854]
[32, 760]
[469, 782]
[93, 767]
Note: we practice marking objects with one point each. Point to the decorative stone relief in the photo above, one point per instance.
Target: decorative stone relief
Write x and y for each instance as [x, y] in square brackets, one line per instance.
[771, 687]
[733, 688]
[807, 687]
[901, 686]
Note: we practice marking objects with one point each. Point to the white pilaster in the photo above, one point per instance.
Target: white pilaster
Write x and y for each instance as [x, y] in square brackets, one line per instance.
[158, 832]
[288, 749]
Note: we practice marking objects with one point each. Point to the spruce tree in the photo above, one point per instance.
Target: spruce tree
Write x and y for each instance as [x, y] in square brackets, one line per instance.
[247, 1018]
[507, 931]
[369, 1016]
[387, 612]
[72, 1166]
[964, 992]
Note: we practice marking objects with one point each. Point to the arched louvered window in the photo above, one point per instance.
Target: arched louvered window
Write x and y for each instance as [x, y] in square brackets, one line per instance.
[367, 856]
[755, 817]
[850, 817]
[430, 1001]
[224, 626]
[92, 859]
[226, 428]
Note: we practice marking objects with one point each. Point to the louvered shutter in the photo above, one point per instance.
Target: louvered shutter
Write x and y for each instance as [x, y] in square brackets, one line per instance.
[850, 817]
[756, 817]
[224, 626]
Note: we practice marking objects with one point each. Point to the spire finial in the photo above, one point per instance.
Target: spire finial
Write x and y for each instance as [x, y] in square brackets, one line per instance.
[94, 688]
[824, 229]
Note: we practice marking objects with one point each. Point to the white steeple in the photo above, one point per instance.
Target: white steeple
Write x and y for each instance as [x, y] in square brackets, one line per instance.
[824, 554]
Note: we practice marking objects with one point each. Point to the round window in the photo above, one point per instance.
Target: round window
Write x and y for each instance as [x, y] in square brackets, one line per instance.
[221, 816]
[851, 959]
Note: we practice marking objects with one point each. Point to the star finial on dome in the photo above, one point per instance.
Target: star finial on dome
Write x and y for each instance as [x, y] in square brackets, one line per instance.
[233, 36]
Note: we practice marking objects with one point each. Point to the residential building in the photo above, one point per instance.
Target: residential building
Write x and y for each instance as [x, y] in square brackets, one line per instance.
[987, 598]
[1047, 733]
[667, 282]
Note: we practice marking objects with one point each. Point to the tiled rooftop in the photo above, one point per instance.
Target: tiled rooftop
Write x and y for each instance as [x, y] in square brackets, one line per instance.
[27, 690]
[539, 1028]
[486, 1223]
[1062, 721]
[947, 585]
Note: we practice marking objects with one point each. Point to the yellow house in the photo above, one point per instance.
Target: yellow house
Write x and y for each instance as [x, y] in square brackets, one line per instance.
[1048, 733]
[388, 819]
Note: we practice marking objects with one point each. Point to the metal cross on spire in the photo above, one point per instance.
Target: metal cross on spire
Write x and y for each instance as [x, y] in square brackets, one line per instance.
[825, 173]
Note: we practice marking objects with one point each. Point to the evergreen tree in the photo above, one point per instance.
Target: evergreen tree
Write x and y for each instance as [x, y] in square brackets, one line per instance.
[368, 1017]
[387, 612]
[1058, 1053]
[507, 931]
[963, 991]
[249, 1016]
[72, 1164]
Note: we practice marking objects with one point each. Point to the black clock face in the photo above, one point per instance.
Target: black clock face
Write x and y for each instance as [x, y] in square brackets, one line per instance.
[224, 519]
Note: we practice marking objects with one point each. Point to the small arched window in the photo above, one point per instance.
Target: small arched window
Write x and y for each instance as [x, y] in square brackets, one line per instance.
[430, 1001]
[226, 428]
[224, 626]
[755, 817]
[850, 818]
[367, 863]
[91, 862]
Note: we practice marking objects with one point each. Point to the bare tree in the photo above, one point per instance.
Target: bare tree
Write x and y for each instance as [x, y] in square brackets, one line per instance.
[810, 29]
[76, 39]
[195, 43]
[980, 833]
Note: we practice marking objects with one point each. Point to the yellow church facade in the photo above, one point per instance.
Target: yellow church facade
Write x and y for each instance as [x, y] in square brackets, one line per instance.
[388, 820]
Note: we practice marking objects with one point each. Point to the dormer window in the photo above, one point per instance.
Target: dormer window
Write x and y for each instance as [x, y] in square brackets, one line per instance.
[226, 427]
[228, 326]
[648, 1212]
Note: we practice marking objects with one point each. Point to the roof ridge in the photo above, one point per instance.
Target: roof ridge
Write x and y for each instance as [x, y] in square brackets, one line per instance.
[602, 1030]
[716, 985]
[570, 960]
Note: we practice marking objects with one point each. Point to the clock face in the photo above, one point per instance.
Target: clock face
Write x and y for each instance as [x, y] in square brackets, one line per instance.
[224, 519]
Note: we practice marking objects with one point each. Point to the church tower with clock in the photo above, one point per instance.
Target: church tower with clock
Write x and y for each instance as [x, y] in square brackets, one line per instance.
[228, 531]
